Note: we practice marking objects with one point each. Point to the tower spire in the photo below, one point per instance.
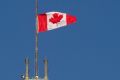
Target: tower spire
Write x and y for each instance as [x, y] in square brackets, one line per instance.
[27, 69]
[45, 69]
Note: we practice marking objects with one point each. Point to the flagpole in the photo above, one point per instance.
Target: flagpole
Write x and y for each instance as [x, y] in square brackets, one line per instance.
[36, 42]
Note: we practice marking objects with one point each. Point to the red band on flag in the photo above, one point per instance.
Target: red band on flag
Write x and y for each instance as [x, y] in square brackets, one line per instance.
[42, 23]
[70, 19]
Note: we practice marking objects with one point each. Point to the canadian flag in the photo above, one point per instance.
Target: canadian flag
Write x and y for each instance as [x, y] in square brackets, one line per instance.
[53, 20]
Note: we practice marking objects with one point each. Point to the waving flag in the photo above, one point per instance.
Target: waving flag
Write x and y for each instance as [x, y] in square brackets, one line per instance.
[53, 20]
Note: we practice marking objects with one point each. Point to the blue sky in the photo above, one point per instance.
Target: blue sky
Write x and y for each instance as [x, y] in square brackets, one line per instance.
[87, 50]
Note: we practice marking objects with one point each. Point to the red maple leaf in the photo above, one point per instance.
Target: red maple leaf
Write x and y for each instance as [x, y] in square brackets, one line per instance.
[56, 18]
